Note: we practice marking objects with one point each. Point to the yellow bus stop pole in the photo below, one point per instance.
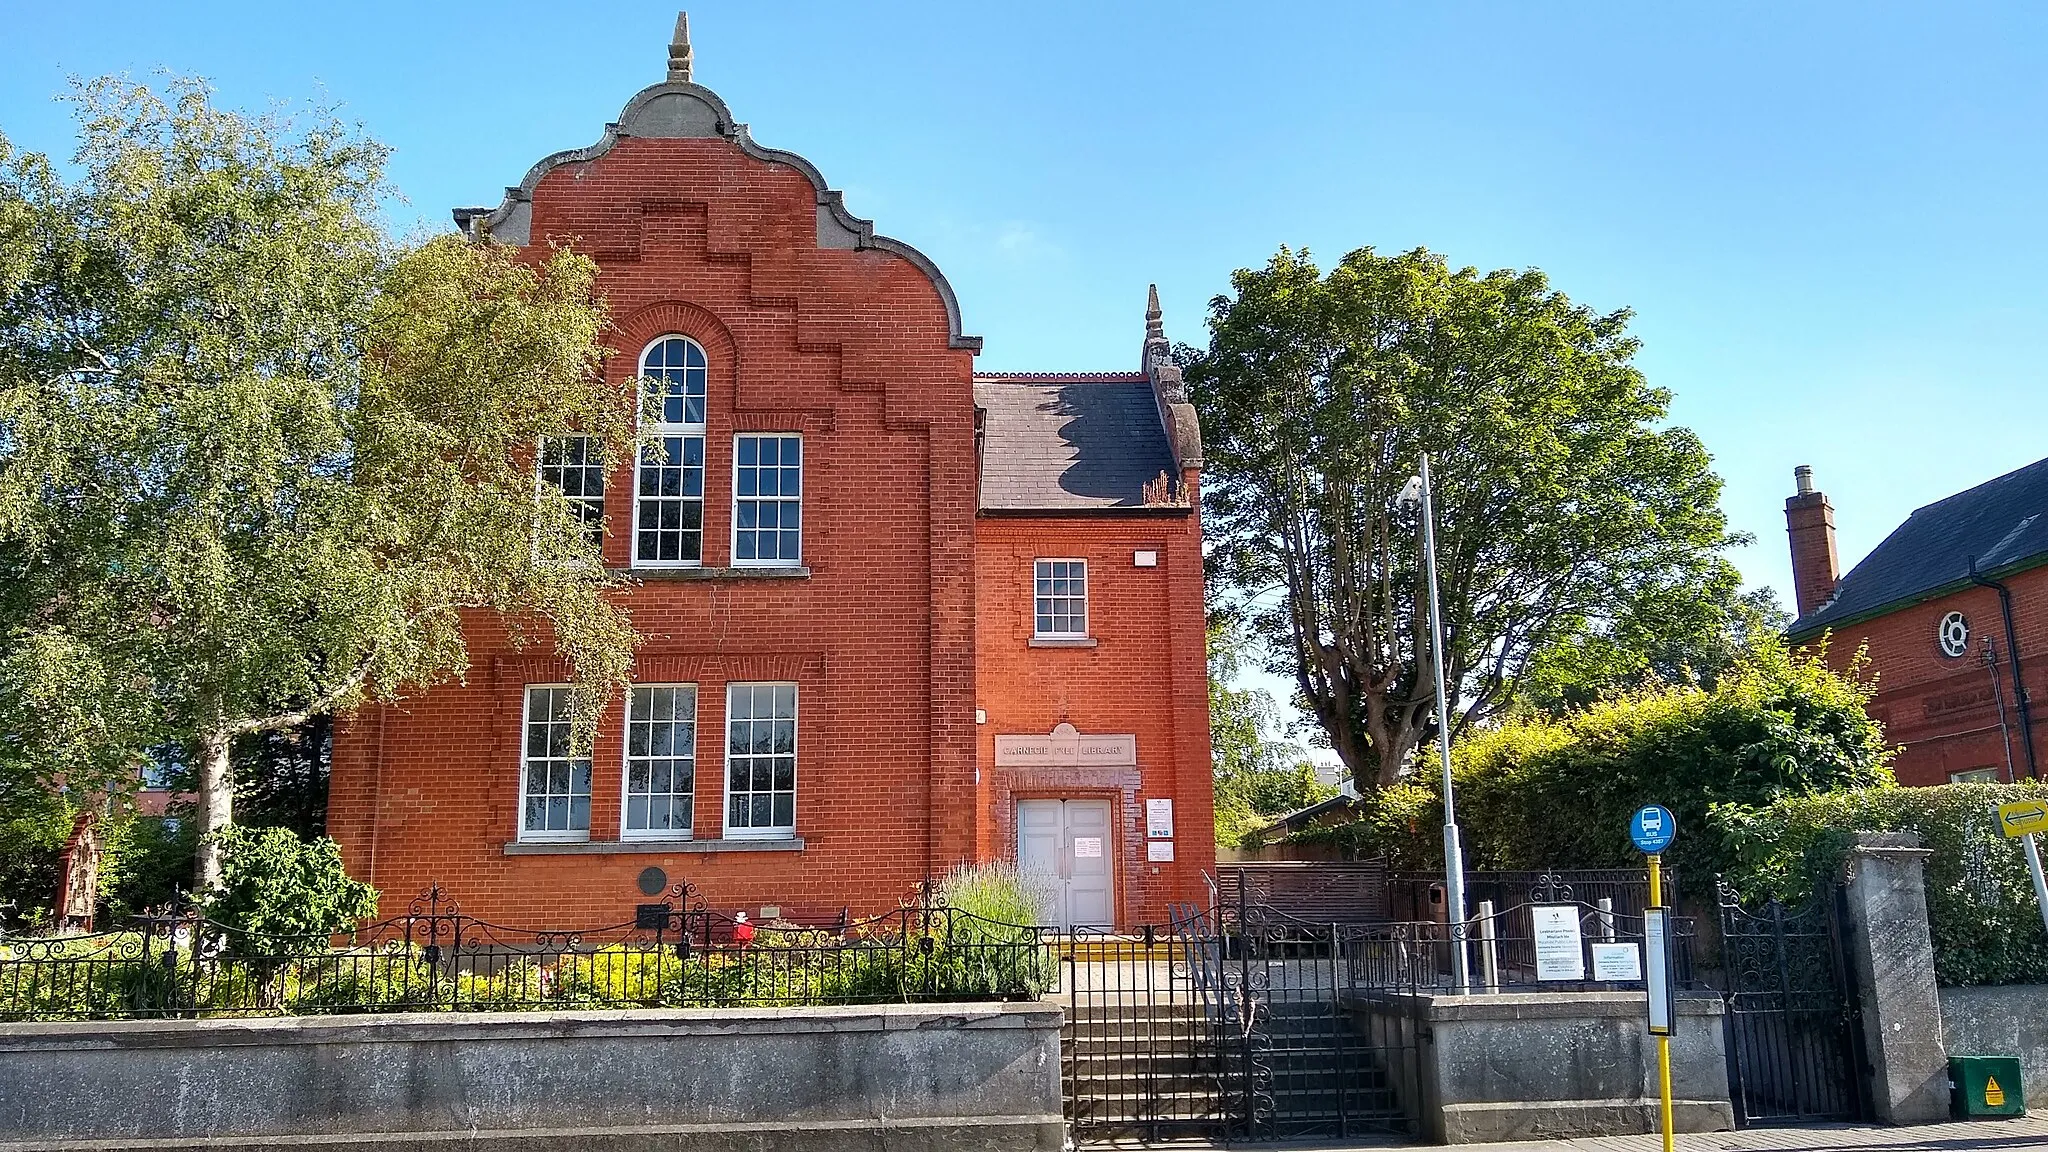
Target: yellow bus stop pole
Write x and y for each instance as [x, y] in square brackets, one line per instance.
[1663, 1042]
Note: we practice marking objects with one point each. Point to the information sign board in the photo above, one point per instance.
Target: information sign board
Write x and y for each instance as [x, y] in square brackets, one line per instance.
[1617, 962]
[1657, 968]
[1560, 948]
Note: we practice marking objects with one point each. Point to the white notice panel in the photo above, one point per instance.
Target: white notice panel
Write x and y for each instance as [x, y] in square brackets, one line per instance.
[1617, 962]
[1656, 945]
[1159, 819]
[1560, 950]
[1087, 847]
[1156, 850]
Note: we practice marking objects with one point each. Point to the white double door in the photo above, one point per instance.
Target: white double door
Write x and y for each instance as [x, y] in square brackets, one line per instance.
[1066, 844]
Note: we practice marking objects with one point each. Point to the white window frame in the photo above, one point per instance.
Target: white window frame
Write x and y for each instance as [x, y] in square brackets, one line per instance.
[773, 832]
[626, 767]
[1086, 595]
[543, 488]
[658, 430]
[778, 562]
[520, 831]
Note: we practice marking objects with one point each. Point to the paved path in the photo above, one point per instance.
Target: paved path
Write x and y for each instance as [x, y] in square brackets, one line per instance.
[1996, 1135]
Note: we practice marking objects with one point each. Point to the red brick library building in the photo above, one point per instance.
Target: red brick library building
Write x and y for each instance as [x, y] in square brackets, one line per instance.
[898, 615]
[1953, 609]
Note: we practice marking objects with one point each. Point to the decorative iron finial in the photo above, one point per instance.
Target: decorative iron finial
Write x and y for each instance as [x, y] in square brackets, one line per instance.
[680, 57]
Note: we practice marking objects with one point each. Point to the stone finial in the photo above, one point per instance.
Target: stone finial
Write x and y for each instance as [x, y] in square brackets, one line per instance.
[1156, 347]
[680, 57]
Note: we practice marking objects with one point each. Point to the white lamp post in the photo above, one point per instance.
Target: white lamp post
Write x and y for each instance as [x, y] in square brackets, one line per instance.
[1417, 489]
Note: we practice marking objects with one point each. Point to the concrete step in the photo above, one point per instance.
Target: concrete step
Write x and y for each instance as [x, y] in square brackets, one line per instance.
[1081, 1071]
[1140, 1041]
[1141, 1105]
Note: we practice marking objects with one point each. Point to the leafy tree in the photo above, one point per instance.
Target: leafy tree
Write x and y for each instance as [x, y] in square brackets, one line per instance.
[1256, 778]
[281, 778]
[33, 830]
[258, 463]
[1669, 636]
[149, 861]
[1560, 502]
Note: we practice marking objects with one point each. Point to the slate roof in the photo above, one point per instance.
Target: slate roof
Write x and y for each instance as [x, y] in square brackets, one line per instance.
[1068, 441]
[2003, 523]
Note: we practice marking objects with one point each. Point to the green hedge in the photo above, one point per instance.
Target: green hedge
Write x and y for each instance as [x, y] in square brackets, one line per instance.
[1980, 900]
[1542, 792]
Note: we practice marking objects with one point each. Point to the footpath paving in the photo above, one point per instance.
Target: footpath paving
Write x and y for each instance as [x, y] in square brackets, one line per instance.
[1999, 1135]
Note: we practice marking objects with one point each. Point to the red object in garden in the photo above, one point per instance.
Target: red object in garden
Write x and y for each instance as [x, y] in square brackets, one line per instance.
[742, 932]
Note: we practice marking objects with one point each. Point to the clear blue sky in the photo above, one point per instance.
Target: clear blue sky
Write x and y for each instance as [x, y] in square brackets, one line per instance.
[1827, 216]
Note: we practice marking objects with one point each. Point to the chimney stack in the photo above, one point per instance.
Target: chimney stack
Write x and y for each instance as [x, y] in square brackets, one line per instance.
[1810, 522]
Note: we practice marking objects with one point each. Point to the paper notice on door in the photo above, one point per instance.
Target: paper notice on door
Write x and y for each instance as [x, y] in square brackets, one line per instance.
[1159, 850]
[1087, 847]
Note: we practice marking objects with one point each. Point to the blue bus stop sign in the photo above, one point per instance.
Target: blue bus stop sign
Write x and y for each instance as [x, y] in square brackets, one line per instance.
[1653, 828]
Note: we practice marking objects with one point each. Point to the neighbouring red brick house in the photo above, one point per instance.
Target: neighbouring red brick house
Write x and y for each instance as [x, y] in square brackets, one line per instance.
[1953, 608]
[898, 616]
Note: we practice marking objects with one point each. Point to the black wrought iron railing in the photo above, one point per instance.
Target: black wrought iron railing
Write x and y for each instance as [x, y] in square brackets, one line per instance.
[1626, 891]
[436, 958]
[1558, 946]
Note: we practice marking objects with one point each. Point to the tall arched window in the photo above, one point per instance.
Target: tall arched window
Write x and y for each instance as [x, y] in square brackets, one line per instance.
[668, 495]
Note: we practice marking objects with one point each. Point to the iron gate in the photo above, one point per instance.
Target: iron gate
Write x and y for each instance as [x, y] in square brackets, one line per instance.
[1312, 1067]
[1792, 1040]
[1227, 1030]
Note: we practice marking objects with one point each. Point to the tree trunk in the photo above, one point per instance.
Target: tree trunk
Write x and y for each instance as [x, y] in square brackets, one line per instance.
[216, 783]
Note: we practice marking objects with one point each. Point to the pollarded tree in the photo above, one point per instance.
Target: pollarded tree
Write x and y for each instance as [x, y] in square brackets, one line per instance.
[1561, 502]
[258, 462]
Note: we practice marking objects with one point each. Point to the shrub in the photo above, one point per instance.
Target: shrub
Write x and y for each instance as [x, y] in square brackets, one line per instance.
[1540, 792]
[278, 892]
[995, 892]
[1980, 899]
[515, 984]
[93, 976]
[365, 980]
[989, 946]
[618, 975]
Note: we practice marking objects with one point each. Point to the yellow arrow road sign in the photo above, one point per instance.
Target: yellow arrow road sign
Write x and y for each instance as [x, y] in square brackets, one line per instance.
[2023, 816]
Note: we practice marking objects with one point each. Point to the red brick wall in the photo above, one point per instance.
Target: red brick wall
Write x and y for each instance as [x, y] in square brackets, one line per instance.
[1146, 675]
[850, 349]
[1940, 708]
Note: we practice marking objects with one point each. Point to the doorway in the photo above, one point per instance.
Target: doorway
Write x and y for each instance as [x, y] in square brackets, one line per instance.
[1067, 844]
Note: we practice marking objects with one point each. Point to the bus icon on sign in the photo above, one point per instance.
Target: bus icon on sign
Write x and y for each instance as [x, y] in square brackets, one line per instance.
[1653, 828]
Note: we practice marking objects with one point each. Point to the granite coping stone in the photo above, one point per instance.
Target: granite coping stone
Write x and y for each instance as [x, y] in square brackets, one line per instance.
[412, 1027]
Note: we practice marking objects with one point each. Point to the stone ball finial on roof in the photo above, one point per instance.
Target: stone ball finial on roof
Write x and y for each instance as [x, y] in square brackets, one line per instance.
[680, 56]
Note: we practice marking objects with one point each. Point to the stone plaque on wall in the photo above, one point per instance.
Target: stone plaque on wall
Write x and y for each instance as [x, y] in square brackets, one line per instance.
[1065, 747]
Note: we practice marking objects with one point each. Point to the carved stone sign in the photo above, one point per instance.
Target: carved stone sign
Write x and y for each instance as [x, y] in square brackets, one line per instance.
[1064, 747]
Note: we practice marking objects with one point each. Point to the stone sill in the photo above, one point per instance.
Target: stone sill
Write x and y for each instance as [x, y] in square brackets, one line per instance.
[764, 573]
[1062, 642]
[648, 847]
